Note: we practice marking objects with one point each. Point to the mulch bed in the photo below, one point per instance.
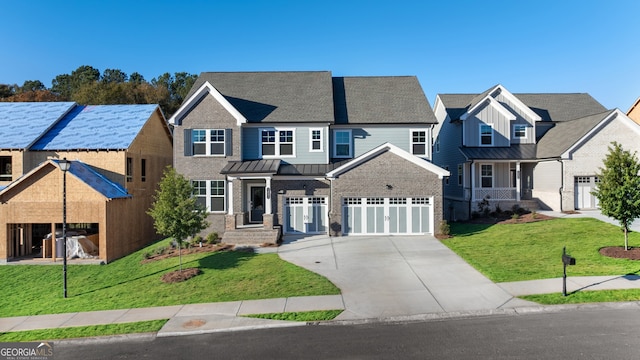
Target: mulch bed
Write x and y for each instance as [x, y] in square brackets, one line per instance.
[506, 218]
[619, 252]
[178, 276]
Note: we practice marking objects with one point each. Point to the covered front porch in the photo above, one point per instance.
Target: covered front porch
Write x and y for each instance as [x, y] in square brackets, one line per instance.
[501, 181]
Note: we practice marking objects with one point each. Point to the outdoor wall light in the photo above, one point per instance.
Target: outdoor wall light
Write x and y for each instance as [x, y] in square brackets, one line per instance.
[389, 187]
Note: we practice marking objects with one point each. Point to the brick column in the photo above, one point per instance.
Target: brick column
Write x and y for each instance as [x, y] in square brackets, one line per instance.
[229, 222]
[267, 221]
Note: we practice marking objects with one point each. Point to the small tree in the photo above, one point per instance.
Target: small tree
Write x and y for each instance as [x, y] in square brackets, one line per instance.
[175, 210]
[618, 192]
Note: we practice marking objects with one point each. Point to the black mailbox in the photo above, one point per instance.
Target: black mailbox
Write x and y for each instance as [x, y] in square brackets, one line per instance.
[568, 259]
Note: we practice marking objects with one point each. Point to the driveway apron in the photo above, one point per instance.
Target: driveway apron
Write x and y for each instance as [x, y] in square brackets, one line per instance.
[386, 276]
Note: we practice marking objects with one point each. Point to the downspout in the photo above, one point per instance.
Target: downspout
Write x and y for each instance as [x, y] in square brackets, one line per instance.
[471, 175]
[330, 215]
[561, 181]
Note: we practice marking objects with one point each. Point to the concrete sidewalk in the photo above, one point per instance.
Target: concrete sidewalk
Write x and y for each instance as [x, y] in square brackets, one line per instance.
[380, 278]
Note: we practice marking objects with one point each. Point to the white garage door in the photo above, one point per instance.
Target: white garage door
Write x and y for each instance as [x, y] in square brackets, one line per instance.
[582, 192]
[306, 215]
[380, 215]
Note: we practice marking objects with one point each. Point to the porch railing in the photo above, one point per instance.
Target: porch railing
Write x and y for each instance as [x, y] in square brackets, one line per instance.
[494, 193]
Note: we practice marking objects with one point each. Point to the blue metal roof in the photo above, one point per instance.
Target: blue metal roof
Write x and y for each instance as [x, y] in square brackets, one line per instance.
[21, 123]
[94, 127]
[97, 181]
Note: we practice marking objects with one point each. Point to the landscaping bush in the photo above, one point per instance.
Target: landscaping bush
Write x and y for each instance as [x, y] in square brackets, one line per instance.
[213, 238]
[445, 228]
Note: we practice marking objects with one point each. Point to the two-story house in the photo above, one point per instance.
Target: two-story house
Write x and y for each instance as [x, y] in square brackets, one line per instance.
[308, 153]
[530, 150]
[117, 155]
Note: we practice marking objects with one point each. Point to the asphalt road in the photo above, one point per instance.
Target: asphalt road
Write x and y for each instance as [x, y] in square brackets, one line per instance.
[575, 334]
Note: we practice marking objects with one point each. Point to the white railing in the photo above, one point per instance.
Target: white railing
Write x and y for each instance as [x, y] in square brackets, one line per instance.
[494, 193]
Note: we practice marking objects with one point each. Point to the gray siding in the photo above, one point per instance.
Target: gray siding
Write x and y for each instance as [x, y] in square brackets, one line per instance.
[367, 138]
[491, 116]
[251, 144]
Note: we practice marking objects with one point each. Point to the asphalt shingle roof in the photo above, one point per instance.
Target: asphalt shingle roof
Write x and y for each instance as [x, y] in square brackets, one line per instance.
[550, 107]
[381, 100]
[564, 134]
[269, 97]
[23, 122]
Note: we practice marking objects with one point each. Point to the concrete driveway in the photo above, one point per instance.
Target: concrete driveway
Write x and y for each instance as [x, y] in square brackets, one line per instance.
[386, 276]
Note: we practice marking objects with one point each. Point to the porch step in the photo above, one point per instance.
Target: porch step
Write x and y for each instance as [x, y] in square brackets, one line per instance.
[252, 236]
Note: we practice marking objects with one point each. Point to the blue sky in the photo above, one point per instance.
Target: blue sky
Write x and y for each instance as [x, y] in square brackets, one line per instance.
[451, 46]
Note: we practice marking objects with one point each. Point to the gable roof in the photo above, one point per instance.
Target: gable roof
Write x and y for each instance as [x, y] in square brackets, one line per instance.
[553, 107]
[382, 149]
[273, 97]
[380, 100]
[24, 122]
[86, 174]
[93, 127]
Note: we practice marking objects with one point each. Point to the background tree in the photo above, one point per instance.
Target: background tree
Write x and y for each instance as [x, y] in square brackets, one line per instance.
[7, 90]
[114, 76]
[618, 192]
[175, 211]
[32, 85]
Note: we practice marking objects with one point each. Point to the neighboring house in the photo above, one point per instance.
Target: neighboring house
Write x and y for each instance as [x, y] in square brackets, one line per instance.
[536, 151]
[117, 153]
[308, 153]
[634, 111]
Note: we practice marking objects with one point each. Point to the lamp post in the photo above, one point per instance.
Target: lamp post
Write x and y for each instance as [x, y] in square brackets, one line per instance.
[64, 166]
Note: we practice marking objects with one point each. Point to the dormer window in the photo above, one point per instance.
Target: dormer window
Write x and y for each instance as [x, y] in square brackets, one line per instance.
[520, 131]
[486, 135]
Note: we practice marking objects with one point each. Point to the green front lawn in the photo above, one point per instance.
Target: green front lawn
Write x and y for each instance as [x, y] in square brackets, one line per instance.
[127, 283]
[83, 331]
[529, 251]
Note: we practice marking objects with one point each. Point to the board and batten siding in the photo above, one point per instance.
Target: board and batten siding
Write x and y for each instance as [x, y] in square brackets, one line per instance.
[491, 116]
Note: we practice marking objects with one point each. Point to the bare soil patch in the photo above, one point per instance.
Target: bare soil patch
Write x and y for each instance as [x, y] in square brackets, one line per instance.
[619, 252]
[173, 252]
[178, 276]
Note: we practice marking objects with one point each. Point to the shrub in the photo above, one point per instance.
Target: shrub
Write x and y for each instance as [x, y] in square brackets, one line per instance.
[197, 240]
[534, 214]
[213, 238]
[161, 250]
[515, 216]
[445, 228]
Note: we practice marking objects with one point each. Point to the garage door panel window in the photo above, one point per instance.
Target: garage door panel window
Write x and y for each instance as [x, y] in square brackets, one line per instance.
[379, 215]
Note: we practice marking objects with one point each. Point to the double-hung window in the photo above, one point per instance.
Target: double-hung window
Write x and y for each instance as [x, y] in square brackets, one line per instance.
[486, 134]
[210, 194]
[208, 142]
[486, 175]
[342, 144]
[519, 131]
[419, 142]
[315, 140]
[277, 142]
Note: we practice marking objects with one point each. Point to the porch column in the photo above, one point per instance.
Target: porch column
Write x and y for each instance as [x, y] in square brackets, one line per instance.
[473, 181]
[230, 196]
[267, 189]
[518, 181]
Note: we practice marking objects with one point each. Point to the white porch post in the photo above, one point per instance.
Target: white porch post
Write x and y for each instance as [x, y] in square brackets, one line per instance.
[230, 196]
[518, 180]
[473, 181]
[267, 189]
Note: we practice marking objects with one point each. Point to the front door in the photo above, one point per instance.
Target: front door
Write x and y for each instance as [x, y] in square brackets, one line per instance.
[256, 203]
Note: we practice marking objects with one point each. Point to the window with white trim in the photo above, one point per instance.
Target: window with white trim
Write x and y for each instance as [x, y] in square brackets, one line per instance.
[419, 142]
[486, 134]
[277, 142]
[437, 144]
[210, 194]
[342, 144]
[315, 140]
[486, 175]
[208, 142]
[519, 131]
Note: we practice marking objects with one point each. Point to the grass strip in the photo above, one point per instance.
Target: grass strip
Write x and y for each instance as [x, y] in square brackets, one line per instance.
[320, 315]
[83, 331]
[581, 297]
